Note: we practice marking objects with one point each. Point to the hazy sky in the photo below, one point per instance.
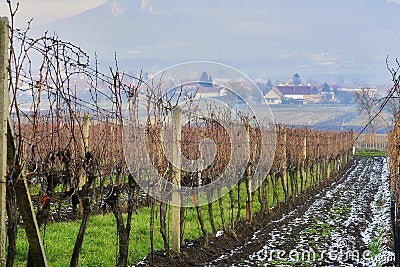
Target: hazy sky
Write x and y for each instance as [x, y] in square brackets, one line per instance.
[270, 37]
[46, 11]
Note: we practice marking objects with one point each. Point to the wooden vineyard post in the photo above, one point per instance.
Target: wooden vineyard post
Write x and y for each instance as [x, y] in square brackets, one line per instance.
[27, 211]
[284, 167]
[7, 146]
[85, 145]
[316, 176]
[86, 127]
[176, 180]
[24, 200]
[328, 161]
[248, 179]
[4, 100]
[395, 189]
[304, 168]
[397, 163]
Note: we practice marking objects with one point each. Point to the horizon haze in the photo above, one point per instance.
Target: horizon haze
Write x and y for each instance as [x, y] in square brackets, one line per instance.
[325, 40]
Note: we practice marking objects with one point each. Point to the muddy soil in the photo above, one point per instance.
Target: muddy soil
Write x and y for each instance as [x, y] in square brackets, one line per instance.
[345, 223]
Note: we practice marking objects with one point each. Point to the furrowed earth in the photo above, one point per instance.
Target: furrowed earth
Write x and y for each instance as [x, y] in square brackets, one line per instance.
[344, 223]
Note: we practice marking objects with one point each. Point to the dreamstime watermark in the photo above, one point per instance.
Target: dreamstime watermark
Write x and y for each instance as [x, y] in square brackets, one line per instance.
[338, 253]
[226, 133]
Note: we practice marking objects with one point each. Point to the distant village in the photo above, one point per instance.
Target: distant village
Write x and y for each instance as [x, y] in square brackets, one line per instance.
[290, 92]
[287, 93]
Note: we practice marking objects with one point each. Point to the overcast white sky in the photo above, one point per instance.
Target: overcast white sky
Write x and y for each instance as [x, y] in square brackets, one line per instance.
[45, 11]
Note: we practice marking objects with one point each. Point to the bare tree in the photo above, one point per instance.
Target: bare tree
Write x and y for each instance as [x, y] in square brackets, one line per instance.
[393, 108]
[392, 99]
[366, 101]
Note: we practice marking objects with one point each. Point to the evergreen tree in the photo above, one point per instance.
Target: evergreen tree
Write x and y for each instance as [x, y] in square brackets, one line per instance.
[204, 77]
[314, 91]
[296, 79]
[205, 80]
[326, 88]
[269, 85]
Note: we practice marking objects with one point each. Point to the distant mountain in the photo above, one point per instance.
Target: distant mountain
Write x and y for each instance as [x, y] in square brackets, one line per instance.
[274, 37]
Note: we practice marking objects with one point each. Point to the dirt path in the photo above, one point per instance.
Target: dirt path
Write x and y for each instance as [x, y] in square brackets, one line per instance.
[346, 225]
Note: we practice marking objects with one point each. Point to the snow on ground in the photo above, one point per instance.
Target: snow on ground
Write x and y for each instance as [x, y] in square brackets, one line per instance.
[346, 225]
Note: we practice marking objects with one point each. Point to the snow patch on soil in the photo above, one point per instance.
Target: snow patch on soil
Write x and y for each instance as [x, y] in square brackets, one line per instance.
[346, 225]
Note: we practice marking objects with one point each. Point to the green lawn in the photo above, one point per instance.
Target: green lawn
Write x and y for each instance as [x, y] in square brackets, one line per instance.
[100, 242]
[370, 153]
[99, 246]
